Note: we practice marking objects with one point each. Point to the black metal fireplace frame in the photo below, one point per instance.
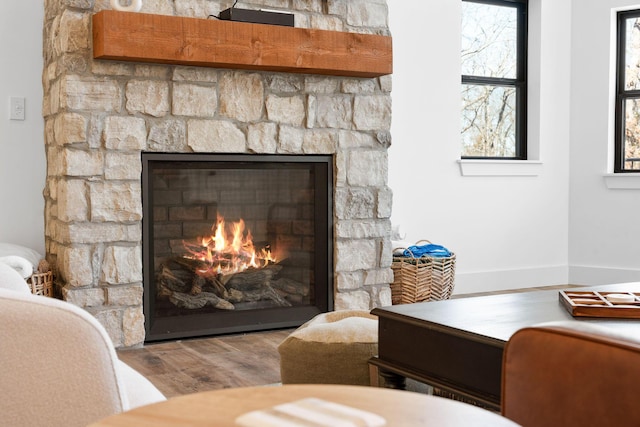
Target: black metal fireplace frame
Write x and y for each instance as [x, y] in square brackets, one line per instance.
[191, 325]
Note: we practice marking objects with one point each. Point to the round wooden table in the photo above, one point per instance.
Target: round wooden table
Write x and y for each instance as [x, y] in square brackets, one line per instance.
[222, 407]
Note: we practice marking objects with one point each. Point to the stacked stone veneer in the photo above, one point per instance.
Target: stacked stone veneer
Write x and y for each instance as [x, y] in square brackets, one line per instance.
[100, 115]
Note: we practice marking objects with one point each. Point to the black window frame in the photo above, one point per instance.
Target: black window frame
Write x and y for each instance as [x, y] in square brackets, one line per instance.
[622, 94]
[519, 83]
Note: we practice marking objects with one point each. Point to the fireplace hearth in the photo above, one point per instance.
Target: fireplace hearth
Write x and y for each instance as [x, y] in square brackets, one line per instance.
[235, 243]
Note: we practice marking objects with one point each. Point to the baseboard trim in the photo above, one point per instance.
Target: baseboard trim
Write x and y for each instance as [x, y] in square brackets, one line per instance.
[501, 280]
[592, 276]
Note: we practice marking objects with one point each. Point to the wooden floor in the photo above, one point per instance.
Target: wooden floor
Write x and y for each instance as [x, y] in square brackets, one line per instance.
[188, 366]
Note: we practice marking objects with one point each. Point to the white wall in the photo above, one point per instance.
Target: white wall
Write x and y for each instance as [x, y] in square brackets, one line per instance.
[507, 232]
[22, 158]
[604, 232]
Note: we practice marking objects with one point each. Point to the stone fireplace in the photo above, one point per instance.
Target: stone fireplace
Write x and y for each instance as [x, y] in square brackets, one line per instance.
[101, 116]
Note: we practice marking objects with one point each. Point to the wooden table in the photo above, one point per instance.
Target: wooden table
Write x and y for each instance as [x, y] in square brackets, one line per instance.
[222, 407]
[457, 345]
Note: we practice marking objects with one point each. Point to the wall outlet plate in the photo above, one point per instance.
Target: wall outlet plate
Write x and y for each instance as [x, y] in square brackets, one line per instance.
[16, 108]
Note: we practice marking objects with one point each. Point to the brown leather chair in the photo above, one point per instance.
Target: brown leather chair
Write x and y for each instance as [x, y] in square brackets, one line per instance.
[571, 374]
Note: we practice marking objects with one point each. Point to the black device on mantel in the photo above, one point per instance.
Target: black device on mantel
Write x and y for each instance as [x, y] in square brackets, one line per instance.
[257, 16]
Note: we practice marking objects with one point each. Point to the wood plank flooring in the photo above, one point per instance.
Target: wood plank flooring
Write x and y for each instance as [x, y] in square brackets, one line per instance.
[194, 365]
[188, 366]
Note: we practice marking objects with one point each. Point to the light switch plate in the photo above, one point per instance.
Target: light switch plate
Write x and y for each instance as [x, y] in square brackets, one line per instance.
[16, 108]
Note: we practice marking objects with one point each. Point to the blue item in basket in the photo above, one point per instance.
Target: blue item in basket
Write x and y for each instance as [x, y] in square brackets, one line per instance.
[430, 249]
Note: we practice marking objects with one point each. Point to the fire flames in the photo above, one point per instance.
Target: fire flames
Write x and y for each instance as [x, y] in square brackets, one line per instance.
[228, 250]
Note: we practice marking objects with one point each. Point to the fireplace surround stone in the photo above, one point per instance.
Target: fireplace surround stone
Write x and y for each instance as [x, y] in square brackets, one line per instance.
[100, 115]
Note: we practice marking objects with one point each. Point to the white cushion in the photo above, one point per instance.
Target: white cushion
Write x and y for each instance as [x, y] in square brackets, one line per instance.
[347, 330]
[10, 279]
[19, 264]
[7, 249]
[140, 391]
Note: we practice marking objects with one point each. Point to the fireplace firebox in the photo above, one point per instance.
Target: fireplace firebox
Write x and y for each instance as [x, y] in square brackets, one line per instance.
[235, 242]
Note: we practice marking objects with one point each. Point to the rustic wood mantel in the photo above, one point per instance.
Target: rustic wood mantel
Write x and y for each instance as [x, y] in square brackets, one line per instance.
[139, 37]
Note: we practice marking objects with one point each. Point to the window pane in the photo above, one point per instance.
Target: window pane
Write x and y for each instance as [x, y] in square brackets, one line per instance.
[488, 121]
[632, 135]
[632, 54]
[489, 40]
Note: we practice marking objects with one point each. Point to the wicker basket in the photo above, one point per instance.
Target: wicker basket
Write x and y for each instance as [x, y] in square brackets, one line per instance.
[422, 279]
[41, 284]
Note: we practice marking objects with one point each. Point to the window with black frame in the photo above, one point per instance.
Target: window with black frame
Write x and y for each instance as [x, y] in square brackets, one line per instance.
[627, 127]
[494, 79]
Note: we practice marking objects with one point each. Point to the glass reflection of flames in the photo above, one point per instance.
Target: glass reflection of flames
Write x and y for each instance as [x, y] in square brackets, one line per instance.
[228, 250]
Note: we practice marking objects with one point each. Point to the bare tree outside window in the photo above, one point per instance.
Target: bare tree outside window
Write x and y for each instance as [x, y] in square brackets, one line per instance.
[630, 149]
[491, 80]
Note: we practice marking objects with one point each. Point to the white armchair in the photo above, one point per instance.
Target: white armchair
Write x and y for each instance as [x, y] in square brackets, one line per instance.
[59, 366]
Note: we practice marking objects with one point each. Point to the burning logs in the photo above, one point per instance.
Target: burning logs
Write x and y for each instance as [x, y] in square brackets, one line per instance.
[188, 283]
[251, 278]
[203, 299]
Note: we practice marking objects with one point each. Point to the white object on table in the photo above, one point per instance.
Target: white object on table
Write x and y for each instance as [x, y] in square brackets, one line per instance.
[620, 298]
[310, 410]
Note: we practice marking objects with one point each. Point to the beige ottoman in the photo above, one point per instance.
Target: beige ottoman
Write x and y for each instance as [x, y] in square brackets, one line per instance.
[331, 348]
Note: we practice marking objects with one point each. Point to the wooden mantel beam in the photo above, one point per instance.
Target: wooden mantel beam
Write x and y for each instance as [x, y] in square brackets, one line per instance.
[139, 37]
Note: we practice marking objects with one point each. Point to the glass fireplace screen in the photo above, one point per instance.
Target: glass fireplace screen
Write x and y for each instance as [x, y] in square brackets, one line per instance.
[235, 243]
